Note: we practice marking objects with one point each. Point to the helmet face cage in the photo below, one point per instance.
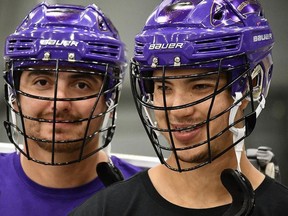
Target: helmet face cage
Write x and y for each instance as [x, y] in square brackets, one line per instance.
[142, 82]
[180, 36]
[89, 70]
[19, 121]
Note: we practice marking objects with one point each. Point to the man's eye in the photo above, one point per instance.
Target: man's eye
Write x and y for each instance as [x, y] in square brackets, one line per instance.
[202, 86]
[82, 85]
[42, 82]
[161, 88]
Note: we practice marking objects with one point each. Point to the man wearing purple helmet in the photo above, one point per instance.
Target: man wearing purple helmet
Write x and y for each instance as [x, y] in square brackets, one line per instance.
[200, 76]
[64, 71]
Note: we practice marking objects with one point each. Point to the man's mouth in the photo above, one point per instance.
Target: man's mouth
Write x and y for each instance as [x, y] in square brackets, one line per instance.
[185, 133]
[182, 128]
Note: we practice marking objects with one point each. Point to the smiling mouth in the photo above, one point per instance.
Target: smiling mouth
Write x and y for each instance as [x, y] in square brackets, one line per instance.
[186, 133]
[185, 128]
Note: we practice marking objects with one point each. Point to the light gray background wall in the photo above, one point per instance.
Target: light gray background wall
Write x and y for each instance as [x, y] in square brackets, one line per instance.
[129, 17]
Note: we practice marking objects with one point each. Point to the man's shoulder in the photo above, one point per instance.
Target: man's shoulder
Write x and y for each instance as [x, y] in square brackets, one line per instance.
[281, 190]
[7, 167]
[121, 189]
[126, 168]
[6, 158]
[271, 198]
[272, 191]
[115, 198]
[271, 185]
[134, 183]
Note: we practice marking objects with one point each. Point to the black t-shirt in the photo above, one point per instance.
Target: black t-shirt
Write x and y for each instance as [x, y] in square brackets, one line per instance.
[138, 197]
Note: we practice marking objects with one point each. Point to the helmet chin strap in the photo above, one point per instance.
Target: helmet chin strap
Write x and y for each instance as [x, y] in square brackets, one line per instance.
[239, 133]
[260, 106]
[109, 104]
[236, 183]
[106, 171]
[12, 100]
[148, 116]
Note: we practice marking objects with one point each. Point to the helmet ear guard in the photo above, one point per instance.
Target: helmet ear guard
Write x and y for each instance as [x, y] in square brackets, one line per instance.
[257, 77]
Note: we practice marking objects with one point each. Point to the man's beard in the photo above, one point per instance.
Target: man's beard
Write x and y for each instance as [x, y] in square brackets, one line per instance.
[197, 159]
[63, 147]
[217, 146]
[64, 141]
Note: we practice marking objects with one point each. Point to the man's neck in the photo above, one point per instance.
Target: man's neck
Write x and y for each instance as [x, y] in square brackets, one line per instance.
[189, 189]
[200, 188]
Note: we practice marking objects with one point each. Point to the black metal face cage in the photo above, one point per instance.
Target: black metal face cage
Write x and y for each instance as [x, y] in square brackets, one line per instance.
[140, 75]
[112, 76]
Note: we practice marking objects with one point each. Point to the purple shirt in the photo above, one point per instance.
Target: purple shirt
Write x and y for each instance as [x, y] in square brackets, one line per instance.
[19, 195]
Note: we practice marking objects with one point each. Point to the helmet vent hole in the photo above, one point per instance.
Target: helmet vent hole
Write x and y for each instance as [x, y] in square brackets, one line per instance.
[218, 15]
[261, 13]
[12, 41]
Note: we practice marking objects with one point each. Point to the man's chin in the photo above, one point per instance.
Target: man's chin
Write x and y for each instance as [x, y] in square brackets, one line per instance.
[61, 147]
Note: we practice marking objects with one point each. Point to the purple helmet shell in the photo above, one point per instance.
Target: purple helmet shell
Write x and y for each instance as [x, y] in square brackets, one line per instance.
[61, 30]
[182, 29]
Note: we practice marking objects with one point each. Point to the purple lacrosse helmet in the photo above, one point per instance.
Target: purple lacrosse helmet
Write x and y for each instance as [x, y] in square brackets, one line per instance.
[64, 39]
[229, 37]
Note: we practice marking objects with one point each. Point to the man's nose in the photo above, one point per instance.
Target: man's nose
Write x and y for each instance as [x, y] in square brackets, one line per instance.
[183, 104]
[62, 93]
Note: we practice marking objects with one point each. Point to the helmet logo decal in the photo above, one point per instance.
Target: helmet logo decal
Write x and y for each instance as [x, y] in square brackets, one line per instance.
[262, 37]
[159, 46]
[247, 6]
[65, 43]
